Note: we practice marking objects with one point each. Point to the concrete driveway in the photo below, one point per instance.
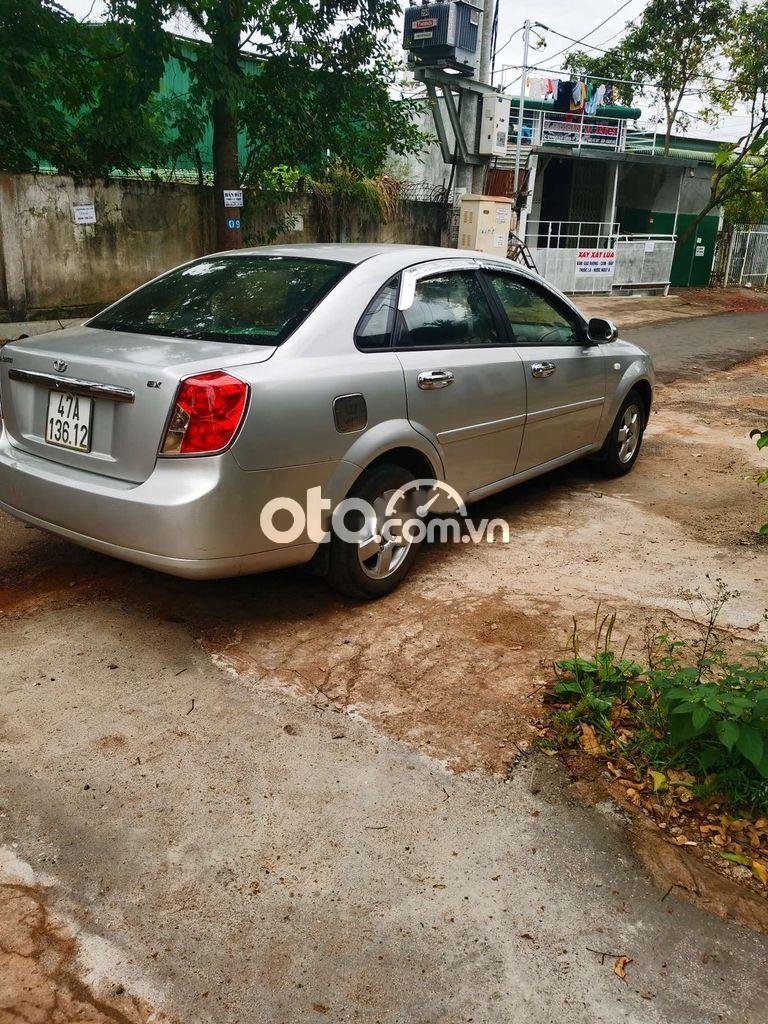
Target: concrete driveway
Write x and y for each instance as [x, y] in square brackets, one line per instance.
[254, 801]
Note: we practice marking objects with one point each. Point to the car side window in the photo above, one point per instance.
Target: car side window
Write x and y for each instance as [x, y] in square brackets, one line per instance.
[534, 319]
[449, 310]
[374, 332]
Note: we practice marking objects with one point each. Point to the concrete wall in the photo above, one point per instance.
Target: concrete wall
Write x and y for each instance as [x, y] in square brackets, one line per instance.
[656, 188]
[50, 266]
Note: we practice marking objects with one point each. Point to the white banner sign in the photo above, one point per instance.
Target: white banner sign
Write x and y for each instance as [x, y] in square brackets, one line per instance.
[233, 197]
[84, 214]
[595, 261]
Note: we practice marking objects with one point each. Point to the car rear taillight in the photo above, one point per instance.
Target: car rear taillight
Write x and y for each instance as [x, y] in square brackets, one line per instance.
[208, 412]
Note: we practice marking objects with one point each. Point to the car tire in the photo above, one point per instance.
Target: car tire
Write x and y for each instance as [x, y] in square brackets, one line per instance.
[367, 579]
[622, 445]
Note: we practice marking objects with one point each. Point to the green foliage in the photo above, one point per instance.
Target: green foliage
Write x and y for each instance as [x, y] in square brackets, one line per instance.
[308, 84]
[613, 65]
[761, 440]
[740, 179]
[316, 89]
[76, 97]
[689, 707]
[340, 196]
[673, 44]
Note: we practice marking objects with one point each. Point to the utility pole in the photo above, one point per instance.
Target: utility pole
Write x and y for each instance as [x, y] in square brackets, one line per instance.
[468, 176]
[484, 76]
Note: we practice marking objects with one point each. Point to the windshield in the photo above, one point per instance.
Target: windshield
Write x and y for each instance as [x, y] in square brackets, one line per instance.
[247, 300]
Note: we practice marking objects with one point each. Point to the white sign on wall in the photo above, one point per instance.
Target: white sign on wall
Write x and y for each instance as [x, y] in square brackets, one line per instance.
[294, 222]
[84, 214]
[233, 197]
[595, 261]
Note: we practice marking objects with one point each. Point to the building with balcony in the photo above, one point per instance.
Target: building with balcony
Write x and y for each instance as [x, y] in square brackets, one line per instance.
[597, 182]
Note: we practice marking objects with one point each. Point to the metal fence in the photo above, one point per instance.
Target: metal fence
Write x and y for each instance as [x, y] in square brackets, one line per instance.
[746, 256]
[570, 234]
[644, 262]
[595, 257]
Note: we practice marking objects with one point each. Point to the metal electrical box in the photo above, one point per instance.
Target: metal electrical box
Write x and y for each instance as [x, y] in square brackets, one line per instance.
[494, 125]
[484, 223]
[443, 35]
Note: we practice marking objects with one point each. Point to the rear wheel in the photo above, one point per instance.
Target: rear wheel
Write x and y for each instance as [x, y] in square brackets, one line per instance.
[622, 446]
[376, 562]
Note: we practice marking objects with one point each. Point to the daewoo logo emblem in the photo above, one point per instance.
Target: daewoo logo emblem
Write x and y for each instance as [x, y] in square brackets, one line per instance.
[59, 365]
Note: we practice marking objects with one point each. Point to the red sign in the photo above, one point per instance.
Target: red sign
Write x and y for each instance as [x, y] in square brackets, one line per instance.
[424, 23]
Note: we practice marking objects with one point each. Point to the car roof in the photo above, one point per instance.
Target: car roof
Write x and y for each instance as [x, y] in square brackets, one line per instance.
[358, 252]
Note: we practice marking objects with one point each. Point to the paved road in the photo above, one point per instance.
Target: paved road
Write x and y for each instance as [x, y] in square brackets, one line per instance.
[681, 349]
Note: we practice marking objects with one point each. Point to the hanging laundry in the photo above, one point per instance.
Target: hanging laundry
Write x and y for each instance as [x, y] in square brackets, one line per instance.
[590, 107]
[578, 97]
[551, 90]
[609, 95]
[536, 88]
[564, 94]
[599, 94]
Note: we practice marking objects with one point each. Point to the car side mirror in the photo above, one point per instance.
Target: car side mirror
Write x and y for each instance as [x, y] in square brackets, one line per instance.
[601, 330]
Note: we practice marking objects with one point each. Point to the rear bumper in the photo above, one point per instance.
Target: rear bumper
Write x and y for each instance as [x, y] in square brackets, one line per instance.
[195, 518]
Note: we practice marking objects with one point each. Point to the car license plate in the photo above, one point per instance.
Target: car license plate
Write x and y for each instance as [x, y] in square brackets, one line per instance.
[68, 423]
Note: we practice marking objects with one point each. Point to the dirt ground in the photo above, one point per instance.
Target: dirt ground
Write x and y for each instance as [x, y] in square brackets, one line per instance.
[452, 664]
[458, 668]
[628, 311]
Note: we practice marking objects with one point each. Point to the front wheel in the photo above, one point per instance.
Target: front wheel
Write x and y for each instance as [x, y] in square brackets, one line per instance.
[376, 561]
[622, 446]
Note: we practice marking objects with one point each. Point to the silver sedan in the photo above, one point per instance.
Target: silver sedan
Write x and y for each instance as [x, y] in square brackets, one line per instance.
[276, 406]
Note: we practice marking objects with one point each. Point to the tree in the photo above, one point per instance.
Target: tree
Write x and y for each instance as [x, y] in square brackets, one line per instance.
[674, 50]
[740, 178]
[73, 96]
[44, 73]
[611, 66]
[318, 58]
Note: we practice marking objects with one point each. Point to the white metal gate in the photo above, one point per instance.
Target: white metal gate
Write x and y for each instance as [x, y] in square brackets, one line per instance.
[747, 260]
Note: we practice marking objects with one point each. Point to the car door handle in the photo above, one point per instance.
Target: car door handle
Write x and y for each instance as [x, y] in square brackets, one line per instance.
[430, 380]
[542, 369]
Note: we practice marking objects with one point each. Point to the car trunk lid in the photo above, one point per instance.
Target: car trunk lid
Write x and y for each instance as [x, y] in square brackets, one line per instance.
[133, 378]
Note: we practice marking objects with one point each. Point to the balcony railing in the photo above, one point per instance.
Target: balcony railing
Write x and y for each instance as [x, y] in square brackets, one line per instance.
[577, 131]
[571, 234]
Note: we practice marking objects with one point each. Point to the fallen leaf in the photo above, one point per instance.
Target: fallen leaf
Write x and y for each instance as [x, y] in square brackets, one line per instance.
[620, 967]
[760, 871]
[737, 858]
[659, 780]
[589, 741]
[680, 840]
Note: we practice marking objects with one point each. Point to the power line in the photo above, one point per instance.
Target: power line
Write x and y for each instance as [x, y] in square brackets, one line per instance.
[505, 45]
[579, 41]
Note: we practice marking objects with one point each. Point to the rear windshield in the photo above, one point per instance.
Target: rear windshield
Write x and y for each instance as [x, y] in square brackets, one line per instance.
[248, 300]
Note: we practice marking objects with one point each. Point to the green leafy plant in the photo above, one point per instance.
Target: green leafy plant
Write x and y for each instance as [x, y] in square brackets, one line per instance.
[761, 439]
[690, 707]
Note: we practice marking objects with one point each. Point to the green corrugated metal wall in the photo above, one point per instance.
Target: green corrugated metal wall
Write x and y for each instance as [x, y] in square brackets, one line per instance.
[692, 266]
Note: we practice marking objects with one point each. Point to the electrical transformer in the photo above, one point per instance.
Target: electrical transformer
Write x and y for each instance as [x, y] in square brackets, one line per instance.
[443, 35]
